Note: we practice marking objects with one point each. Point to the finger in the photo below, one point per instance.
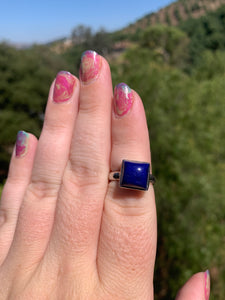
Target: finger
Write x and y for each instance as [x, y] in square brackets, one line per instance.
[55, 140]
[79, 209]
[128, 233]
[196, 288]
[13, 192]
[37, 212]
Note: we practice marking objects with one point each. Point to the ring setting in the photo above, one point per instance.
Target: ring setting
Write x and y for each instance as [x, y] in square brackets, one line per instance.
[133, 175]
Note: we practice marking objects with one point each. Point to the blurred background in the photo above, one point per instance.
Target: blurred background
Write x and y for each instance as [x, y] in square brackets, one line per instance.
[173, 55]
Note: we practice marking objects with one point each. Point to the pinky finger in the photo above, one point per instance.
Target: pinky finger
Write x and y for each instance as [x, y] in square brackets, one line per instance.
[12, 195]
[196, 288]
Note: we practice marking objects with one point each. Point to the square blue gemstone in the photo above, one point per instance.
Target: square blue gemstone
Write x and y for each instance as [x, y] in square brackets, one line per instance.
[134, 175]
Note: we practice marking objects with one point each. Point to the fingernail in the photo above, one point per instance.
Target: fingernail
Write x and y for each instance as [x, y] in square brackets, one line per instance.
[123, 99]
[64, 86]
[207, 285]
[21, 143]
[90, 65]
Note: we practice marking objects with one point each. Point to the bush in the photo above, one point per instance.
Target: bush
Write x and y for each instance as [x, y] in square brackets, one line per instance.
[169, 42]
[205, 33]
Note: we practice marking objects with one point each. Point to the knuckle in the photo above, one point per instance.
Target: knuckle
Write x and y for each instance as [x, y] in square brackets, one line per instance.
[53, 125]
[89, 106]
[14, 180]
[85, 173]
[42, 189]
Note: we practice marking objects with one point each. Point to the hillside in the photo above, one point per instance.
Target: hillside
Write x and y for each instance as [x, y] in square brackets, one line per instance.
[116, 42]
[175, 13]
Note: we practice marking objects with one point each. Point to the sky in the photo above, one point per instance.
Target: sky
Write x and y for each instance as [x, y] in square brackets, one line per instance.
[41, 21]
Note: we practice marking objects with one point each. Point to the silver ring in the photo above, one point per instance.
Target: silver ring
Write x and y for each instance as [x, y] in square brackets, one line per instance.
[133, 175]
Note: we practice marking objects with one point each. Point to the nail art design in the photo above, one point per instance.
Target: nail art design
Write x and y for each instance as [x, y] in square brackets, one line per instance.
[207, 285]
[90, 65]
[123, 99]
[21, 143]
[64, 86]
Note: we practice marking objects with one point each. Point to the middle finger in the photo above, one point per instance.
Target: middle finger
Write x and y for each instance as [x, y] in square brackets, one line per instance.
[79, 211]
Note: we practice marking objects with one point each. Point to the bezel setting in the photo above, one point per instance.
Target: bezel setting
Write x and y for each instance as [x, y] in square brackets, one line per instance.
[134, 175]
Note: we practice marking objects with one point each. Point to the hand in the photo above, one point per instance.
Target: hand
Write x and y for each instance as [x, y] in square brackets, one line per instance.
[66, 232]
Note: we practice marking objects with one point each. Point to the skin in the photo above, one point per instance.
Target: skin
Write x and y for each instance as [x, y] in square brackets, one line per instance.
[65, 231]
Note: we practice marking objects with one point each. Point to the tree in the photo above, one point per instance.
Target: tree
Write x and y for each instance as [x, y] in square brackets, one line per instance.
[205, 33]
[81, 33]
[101, 42]
[169, 42]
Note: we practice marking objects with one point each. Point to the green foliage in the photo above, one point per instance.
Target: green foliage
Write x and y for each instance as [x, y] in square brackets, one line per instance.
[205, 33]
[157, 18]
[210, 65]
[135, 37]
[29, 73]
[195, 6]
[100, 41]
[177, 14]
[119, 36]
[186, 8]
[81, 33]
[72, 57]
[168, 42]
[168, 19]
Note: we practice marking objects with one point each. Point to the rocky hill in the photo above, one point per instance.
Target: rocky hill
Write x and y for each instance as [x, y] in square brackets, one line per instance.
[116, 42]
[175, 13]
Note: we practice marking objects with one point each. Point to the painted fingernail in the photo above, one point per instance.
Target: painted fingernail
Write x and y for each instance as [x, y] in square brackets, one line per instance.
[21, 143]
[123, 99]
[64, 86]
[207, 285]
[90, 65]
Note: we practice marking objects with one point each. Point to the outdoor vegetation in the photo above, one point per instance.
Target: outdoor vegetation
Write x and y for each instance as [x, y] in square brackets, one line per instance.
[180, 74]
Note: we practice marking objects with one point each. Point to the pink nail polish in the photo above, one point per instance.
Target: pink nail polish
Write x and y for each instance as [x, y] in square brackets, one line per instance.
[207, 285]
[123, 99]
[21, 143]
[64, 86]
[90, 65]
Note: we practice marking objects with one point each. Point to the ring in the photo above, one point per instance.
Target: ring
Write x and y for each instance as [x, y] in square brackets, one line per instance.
[133, 175]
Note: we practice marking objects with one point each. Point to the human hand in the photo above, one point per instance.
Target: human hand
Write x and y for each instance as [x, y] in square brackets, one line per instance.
[66, 232]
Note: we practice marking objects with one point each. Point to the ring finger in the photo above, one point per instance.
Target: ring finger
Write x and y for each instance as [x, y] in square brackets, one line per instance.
[127, 243]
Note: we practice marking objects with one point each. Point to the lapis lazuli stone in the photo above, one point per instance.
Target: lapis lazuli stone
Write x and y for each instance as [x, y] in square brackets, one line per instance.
[134, 175]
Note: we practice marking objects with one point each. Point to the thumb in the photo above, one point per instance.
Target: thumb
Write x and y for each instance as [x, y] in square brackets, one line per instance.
[196, 288]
